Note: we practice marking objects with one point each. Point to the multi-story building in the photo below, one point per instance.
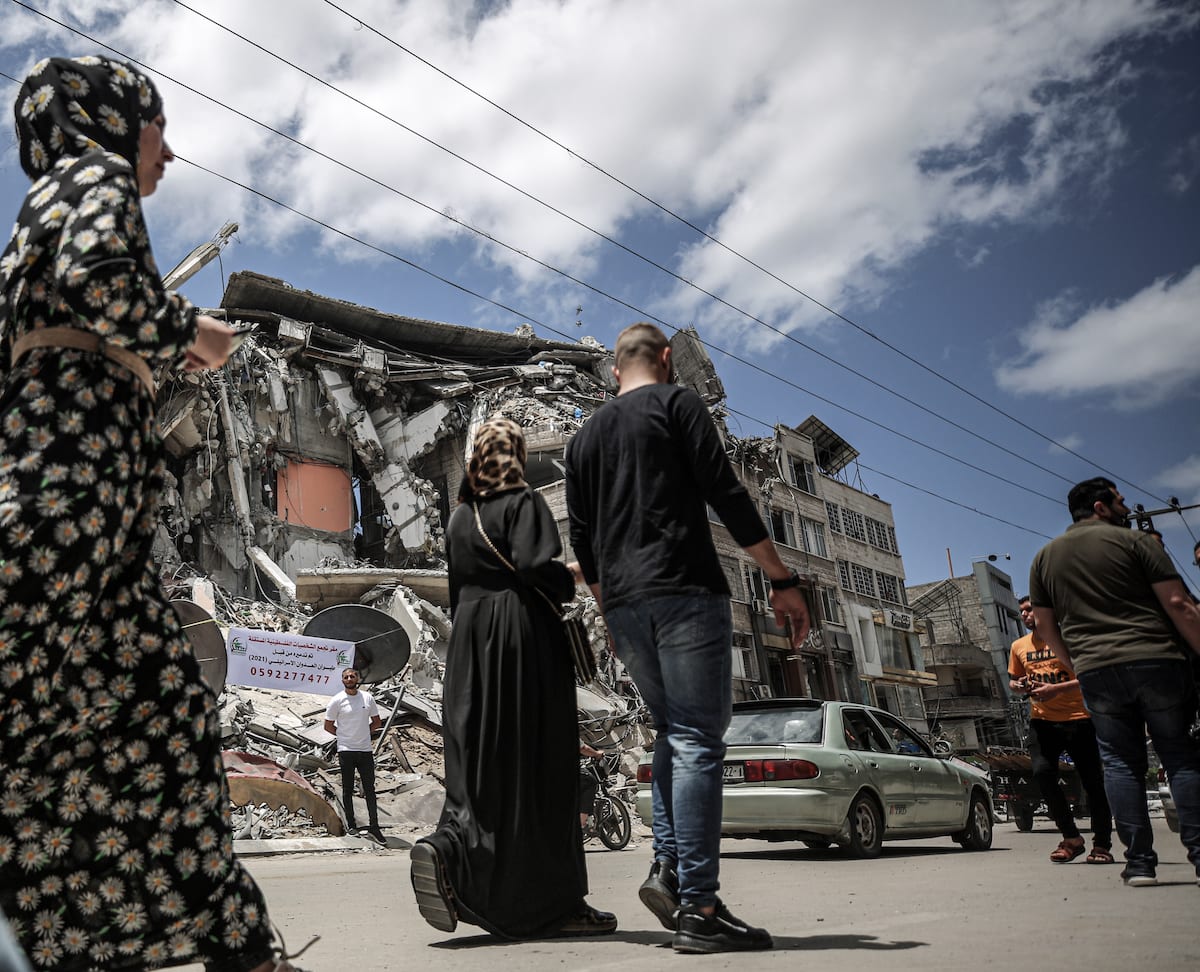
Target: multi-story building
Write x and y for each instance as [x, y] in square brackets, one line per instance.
[843, 540]
[968, 625]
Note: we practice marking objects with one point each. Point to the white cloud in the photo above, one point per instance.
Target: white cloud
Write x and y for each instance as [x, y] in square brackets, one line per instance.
[828, 142]
[1142, 351]
[1183, 479]
[1073, 442]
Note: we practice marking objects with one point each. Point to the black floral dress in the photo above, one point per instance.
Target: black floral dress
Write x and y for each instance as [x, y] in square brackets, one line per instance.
[115, 847]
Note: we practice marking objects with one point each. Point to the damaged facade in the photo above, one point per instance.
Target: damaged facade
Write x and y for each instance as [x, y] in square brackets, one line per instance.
[320, 467]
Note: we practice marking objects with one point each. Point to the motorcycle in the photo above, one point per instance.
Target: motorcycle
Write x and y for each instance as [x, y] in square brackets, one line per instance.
[609, 819]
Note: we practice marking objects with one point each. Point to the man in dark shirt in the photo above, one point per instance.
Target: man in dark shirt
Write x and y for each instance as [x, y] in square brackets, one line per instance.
[1112, 607]
[640, 474]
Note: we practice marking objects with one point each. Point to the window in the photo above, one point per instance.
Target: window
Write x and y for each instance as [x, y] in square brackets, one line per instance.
[862, 734]
[904, 740]
[889, 587]
[801, 473]
[733, 577]
[830, 609]
[844, 575]
[877, 535]
[814, 537]
[783, 527]
[745, 662]
[756, 584]
[864, 580]
[834, 513]
[892, 540]
[855, 526]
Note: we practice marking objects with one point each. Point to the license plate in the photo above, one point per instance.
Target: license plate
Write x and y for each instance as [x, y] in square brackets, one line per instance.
[734, 772]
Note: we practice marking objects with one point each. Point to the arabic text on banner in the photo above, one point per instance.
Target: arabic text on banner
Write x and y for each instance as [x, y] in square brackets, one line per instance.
[295, 662]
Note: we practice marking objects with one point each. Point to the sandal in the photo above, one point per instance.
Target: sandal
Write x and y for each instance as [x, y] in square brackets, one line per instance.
[431, 885]
[1067, 851]
[282, 958]
[1100, 855]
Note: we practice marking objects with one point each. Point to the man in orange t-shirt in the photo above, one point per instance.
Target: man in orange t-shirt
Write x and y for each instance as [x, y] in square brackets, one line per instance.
[1059, 722]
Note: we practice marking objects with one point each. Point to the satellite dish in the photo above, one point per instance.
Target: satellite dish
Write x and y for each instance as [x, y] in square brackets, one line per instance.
[208, 644]
[381, 646]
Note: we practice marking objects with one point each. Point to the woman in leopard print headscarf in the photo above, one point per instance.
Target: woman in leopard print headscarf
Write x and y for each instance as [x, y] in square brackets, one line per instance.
[498, 460]
[507, 854]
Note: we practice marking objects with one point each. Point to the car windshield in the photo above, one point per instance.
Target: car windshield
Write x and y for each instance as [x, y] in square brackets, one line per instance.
[767, 726]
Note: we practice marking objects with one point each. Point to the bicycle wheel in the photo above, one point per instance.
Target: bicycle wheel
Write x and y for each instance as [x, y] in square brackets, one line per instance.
[612, 823]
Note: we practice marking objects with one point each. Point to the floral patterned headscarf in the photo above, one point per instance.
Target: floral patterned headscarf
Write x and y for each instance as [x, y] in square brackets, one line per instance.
[498, 460]
[70, 106]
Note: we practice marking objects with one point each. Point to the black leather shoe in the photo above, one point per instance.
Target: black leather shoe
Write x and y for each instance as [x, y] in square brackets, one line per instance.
[589, 921]
[660, 893]
[718, 932]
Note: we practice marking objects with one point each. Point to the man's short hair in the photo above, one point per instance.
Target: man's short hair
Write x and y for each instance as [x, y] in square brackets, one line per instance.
[640, 343]
[355, 670]
[1084, 496]
[1023, 598]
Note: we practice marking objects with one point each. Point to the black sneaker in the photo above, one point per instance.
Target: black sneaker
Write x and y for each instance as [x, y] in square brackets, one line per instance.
[375, 834]
[660, 893]
[718, 932]
[431, 885]
[351, 831]
[1139, 876]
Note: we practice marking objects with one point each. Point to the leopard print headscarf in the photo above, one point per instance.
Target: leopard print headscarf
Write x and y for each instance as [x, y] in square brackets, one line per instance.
[498, 460]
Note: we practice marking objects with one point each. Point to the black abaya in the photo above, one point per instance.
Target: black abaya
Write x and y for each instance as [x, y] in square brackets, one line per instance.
[509, 831]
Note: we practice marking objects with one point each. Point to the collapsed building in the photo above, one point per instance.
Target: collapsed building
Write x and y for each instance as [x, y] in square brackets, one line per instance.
[317, 471]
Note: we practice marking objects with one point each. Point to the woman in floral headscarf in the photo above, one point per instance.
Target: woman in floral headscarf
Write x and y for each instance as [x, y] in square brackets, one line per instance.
[508, 853]
[115, 850]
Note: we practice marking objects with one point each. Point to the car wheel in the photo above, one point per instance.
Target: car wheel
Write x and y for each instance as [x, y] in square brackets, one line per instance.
[612, 824]
[865, 823]
[822, 844]
[1023, 813]
[978, 835]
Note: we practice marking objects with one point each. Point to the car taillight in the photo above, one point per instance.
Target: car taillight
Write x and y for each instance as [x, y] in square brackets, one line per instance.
[766, 770]
[644, 773]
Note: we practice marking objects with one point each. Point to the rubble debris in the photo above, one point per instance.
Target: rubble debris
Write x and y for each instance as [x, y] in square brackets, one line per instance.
[319, 470]
[256, 780]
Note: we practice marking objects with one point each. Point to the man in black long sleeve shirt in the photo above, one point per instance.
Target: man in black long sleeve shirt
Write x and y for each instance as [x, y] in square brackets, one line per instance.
[640, 474]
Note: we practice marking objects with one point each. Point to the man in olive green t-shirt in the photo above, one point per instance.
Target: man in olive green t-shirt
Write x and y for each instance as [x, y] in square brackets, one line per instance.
[1112, 607]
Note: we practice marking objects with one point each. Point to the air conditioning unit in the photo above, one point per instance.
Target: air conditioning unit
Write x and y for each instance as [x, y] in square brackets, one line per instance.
[759, 606]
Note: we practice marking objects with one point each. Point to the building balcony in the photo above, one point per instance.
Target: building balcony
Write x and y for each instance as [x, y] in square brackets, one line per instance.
[947, 704]
[966, 655]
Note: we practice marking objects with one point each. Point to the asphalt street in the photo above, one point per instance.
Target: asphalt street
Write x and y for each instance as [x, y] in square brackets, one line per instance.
[924, 905]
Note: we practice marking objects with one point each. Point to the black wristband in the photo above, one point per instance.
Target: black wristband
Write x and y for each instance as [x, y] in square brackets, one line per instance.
[786, 583]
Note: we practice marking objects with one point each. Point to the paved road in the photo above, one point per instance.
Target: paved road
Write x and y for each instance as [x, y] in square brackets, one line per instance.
[923, 905]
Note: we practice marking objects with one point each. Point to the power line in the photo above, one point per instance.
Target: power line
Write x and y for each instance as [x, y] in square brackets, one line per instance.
[617, 243]
[662, 207]
[828, 401]
[546, 326]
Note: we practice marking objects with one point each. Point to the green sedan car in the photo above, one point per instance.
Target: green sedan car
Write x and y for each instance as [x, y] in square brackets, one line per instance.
[840, 773]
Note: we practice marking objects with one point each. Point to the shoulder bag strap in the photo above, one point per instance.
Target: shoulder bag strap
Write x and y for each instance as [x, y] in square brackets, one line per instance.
[504, 560]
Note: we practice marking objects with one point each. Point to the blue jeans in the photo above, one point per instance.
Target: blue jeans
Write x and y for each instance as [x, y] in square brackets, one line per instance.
[1125, 701]
[678, 650]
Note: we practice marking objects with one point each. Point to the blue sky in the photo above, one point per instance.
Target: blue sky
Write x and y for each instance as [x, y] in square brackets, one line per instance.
[1007, 192]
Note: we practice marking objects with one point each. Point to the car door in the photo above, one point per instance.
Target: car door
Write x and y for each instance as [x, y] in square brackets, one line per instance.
[940, 795]
[889, 772]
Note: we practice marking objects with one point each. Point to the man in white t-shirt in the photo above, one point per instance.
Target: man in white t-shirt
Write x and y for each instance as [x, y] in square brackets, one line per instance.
[353, 717]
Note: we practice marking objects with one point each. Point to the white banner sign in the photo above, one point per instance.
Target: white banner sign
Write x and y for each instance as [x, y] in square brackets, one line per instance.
[274, 659]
